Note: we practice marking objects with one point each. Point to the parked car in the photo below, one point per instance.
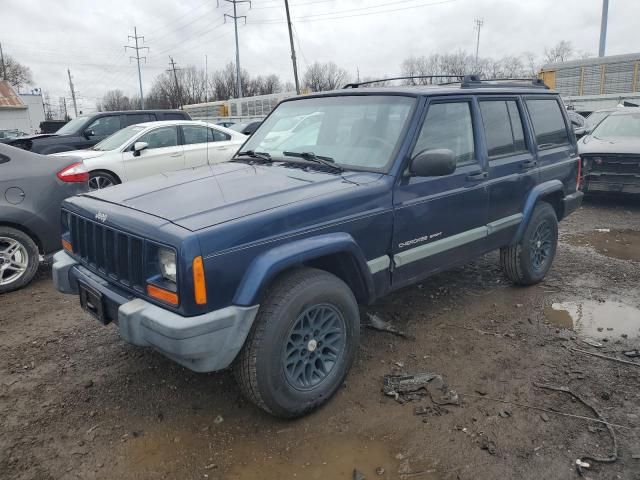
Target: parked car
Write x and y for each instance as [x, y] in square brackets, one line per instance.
[260, 263]
[596, 117]
[246, 128]
[6, 135]
[85, 131]
[149, 148]
[32, 187]
[578, 123]
[287, 127]
[226, 124]
[611, 153]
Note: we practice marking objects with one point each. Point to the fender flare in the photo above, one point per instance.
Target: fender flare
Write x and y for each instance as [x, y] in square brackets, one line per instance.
[536, 193]
[266, 266]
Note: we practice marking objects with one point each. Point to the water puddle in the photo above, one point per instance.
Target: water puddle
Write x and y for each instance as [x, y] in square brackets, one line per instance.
[596, 319]
[622, 244]
[325, 458]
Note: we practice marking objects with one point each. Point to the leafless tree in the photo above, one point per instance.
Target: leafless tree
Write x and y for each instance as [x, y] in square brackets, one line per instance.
[320, 77]
[561, 52]
[18, 75]
[115, 100]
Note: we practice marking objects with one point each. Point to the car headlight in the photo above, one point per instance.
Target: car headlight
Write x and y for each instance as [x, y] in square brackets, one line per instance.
[167, 261]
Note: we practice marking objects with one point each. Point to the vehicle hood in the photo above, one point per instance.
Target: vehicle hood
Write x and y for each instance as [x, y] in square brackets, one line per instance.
[82, 154]
[622, 145]
[203, 197]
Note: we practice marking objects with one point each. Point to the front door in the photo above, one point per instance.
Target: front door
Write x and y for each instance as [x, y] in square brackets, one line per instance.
[440, 221]
[163, 154]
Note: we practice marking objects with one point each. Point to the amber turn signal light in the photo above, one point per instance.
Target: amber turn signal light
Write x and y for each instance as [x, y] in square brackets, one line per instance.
[163, 295]
[199, 286]
[67, 245]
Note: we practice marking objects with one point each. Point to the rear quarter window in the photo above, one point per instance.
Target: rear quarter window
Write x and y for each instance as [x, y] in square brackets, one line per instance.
[548, 122]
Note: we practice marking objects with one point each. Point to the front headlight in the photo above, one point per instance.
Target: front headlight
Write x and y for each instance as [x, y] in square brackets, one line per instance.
[167, 261]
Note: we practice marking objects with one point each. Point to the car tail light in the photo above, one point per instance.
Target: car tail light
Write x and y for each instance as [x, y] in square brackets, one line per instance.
[74, 173]
[578, 180]
[200, 288]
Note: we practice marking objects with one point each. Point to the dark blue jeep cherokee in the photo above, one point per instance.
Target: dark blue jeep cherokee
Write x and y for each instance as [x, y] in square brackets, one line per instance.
[336, 200]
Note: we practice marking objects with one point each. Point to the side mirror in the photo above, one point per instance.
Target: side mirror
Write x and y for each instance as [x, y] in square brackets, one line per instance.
[433, 163]
[88, 133]
[580, 131]
[138, 147]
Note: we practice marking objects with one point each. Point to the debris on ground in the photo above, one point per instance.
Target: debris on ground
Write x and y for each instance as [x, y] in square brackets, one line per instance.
[488, 445]
[405, 388]
[593, 343]
[613, 359]
[358, 475]
[632, 353]
[581, 462]
[603, 230]
[376, 323]
[380, 471]
[432, 411]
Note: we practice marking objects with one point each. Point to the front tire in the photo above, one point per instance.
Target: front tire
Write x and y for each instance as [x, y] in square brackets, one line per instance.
[301, 345]
[99, 180]
[19, 259]
[527, 262]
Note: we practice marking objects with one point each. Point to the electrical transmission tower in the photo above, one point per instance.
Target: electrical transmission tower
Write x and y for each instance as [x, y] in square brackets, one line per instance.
[73, 93]
[137, 48]
[175, 78]
[235, 18]
[479, 22]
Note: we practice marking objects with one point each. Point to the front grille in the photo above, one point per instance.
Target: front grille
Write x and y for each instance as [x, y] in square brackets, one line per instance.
[617, 164]
[112, 253]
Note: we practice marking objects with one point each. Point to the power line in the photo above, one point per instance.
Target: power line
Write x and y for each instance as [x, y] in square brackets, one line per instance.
[175, 77]
[235, 17]
[137, 48]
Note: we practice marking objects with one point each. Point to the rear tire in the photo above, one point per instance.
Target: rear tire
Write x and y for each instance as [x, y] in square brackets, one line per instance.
[301, 345]
[99, 179]
[19, 259]
[527, 262]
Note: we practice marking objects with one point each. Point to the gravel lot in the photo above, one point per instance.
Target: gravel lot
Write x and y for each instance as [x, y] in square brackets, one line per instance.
[78, 402]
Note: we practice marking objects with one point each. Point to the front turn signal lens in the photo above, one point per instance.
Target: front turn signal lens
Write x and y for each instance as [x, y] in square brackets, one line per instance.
[163, 295]
[67, 245]
[199, 285]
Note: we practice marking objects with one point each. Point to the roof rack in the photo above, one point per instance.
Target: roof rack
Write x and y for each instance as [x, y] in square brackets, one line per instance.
[412, 77]
[474, 81]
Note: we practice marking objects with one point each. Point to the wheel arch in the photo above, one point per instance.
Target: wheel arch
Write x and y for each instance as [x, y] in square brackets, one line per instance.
[336, 253]
[26, 231]
[106, 170]
[551, 192]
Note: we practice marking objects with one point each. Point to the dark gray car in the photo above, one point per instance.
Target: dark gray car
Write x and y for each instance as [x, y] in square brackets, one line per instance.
[611, 153]
[32, 186]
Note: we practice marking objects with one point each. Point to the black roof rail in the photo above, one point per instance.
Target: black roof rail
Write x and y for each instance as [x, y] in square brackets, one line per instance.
[411, 77]
[474, 81]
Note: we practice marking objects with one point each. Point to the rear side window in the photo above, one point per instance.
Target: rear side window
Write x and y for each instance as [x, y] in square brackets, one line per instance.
[174, 116]
[132, 119]
[161, 138]
[548, 123]
[502, 127]
[218, 136]
[448, 125]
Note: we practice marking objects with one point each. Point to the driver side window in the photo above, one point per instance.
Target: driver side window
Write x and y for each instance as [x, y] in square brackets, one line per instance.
[105, 126]
[448, 125]
[161, 138]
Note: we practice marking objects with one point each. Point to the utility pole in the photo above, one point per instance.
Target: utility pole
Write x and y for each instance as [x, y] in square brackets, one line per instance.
[293, 50]
[4, 68]
[603, 27]
[175, 77]
[479, 22]
[235, 22]
[73, 93]
[137, 48]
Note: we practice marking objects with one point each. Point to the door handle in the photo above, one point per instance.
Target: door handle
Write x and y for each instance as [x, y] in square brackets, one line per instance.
[528, 164]
[176, 155]
[475, 177]
[222, 148]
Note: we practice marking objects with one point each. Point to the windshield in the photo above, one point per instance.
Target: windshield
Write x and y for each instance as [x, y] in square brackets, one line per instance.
[119, 138]
[596, 117]
[359, 132]
[72, 126]
[627, 125]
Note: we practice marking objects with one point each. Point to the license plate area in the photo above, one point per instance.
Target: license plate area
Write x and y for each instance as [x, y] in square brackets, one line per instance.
[91, 302]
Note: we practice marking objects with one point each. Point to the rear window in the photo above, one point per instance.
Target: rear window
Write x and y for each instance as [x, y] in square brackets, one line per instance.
[174, 116]
[133, 118]
[502, 127]
[548, 123]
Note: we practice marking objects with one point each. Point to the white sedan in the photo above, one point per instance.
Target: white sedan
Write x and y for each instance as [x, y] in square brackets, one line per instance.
[148, 148]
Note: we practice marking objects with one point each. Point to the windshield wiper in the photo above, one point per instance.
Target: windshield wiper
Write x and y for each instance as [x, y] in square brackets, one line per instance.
[312, 157]
[264, 156]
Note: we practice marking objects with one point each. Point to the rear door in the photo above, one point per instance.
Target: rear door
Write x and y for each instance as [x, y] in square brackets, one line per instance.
[512, 165]
[440, 221]
[555, 142]
[163, 154]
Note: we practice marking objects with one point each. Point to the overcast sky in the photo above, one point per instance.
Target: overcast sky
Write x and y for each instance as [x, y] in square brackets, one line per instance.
[373, 35]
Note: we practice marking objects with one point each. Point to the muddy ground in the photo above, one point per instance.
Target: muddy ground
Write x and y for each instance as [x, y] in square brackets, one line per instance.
[77, 402]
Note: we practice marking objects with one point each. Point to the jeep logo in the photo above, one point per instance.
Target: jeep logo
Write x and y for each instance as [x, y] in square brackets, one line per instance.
[101, 217]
